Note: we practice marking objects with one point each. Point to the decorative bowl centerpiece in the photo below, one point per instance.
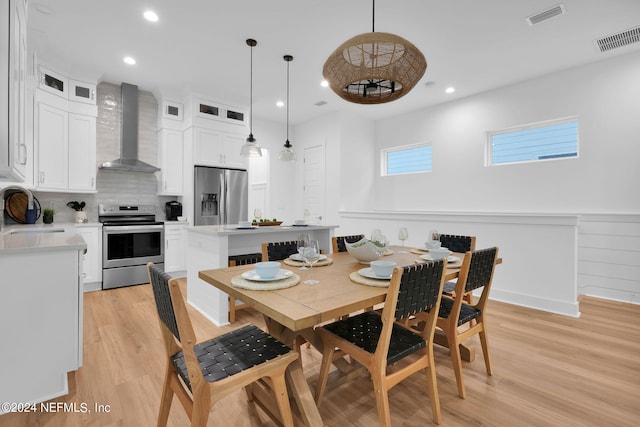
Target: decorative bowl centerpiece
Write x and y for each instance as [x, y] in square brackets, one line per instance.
[366, 250]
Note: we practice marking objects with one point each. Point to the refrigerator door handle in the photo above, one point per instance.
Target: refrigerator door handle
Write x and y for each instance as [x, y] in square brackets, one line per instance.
[223, 199]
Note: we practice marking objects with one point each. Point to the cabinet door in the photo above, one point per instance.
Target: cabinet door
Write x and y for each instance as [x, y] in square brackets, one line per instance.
[52, 82]
[175, 248]
[53, 149]
[170, 153]
[207, 147]
[232, 144]
[13, 148]
[82, 92]
[92, 260]
[82, 152]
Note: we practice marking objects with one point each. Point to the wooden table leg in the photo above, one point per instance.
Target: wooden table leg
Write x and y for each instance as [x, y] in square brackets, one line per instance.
[298, 386]
[467, 353]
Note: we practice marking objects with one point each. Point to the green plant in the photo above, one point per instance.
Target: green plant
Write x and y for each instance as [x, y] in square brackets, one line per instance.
[48, 212]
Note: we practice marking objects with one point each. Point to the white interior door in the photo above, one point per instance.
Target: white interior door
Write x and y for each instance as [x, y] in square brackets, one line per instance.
[314, 183]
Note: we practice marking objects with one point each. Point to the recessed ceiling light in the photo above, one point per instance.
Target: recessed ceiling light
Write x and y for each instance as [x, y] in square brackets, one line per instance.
[324, 83]
[450, 89]
[280, 104]
[129, 60]
[151, 16]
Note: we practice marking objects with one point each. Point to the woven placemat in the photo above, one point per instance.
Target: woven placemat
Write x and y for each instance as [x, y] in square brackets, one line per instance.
[294, 263]
[240, 282]
[361, 280]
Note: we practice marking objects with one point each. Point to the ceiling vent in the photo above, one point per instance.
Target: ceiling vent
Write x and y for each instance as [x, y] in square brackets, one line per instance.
[546, 14]
[617, 40]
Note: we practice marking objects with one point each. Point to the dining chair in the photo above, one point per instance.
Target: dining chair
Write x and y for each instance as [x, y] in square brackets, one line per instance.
[376, 341]
[476, 272]
[338, 242]
[201, 374]
[240, 260]
[276, 251]
[459, 244]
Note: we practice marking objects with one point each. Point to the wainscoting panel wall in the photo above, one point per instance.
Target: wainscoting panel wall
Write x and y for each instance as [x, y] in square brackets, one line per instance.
[609, 257]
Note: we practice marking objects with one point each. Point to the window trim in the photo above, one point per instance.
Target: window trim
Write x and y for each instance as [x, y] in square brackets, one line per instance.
[536, 125]
[384, 153]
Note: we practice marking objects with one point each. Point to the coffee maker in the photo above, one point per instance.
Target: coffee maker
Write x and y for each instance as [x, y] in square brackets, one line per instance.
[173, 210]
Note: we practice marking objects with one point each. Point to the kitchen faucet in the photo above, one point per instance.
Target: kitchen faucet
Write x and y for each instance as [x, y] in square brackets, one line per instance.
[13, 187]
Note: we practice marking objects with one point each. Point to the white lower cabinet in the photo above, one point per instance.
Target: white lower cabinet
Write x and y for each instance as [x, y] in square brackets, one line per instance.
[175, 247]
[92, 260]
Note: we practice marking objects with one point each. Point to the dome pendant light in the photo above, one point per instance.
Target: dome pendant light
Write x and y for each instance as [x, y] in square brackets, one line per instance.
[287, 154]
[250, 148]
[373, 68]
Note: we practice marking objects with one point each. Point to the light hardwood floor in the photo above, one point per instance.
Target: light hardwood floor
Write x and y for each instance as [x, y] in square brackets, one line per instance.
[549, 370]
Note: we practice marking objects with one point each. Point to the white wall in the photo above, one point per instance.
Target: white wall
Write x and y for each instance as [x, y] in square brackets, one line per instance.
[605, 97]
[532, 207]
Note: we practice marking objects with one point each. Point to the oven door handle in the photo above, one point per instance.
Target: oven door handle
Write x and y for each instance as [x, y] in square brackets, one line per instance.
[111, 228]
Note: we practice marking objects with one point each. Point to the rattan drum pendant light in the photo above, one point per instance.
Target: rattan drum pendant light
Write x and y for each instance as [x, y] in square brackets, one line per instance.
[250, 148]
[287, 154]
[373, 68]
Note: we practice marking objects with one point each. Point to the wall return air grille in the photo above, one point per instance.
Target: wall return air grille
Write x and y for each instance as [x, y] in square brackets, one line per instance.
[617, 40]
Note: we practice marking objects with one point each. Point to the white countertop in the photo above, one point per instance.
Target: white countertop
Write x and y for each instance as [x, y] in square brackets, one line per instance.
[29, 238]
[232, 229]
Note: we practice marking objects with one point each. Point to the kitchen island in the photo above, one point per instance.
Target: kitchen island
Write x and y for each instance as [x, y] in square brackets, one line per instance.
[210, 246]
[40, 311]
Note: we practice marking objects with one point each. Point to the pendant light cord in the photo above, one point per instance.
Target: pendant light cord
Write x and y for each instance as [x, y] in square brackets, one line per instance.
[251, 92]
[288, 101]
[373, 18]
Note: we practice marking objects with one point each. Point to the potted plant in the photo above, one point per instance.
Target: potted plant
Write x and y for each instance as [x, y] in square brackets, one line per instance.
[47, 215]
[80, 215]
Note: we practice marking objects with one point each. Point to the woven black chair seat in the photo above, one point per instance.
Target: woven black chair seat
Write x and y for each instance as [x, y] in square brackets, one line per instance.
[231, 353]
[281, 250]
[467, 312]
[363, 330]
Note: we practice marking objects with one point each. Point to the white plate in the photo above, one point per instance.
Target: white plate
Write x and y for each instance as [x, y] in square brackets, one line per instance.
[368, 272]
[451, 258]
[298, 257]
[252, 275]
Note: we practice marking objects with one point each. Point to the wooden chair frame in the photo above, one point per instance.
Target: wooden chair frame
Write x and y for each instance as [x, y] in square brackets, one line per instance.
[334, 347]
[198, 400]
[477, 326]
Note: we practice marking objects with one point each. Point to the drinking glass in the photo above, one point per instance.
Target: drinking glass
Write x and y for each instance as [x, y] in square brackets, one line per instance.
[403, 235]
[257, 214]
[435, 235]
[303, 241]
[311, 255]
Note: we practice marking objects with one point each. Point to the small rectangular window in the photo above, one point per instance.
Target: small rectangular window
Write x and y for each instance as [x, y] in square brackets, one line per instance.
[550, 140]
[406, 159]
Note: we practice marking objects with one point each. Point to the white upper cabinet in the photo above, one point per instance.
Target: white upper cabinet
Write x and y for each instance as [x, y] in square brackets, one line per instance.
[215, 148]
[65, 143]
[52, 82]
[82, 92]
[170, 162]
[13, 51]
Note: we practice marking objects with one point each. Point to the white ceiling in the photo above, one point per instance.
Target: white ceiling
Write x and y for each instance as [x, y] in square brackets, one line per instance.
[199, 45]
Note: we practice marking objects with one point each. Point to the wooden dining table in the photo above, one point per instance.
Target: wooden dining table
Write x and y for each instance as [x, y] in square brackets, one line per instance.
[293, 312]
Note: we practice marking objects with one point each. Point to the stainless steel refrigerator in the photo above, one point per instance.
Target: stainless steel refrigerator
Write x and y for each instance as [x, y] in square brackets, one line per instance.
[221, 196]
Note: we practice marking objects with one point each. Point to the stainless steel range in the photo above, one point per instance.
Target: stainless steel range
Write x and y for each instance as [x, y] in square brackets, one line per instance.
[131, 237]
